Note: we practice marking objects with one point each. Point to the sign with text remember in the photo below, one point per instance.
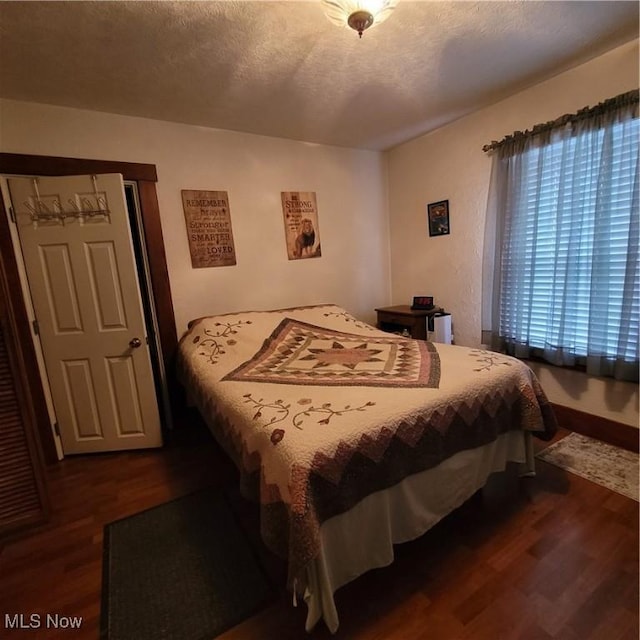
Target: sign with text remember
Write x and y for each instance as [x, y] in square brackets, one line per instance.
[209, 231]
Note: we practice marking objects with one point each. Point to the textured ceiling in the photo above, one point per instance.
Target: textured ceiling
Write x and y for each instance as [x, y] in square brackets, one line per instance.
[282, 69]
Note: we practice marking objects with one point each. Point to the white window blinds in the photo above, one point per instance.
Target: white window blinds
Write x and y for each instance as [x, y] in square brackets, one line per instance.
[568, 287]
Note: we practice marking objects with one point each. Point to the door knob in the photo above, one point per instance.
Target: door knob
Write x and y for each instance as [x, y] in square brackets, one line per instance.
[135, 343]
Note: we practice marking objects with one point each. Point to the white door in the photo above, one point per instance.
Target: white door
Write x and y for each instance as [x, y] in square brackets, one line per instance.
[76, 243]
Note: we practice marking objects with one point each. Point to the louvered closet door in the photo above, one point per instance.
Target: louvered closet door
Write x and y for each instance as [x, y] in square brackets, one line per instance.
[22, 496]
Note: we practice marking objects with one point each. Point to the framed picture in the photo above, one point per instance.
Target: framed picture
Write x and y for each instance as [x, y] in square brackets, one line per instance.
[300, 212]
[438, 217]
[209, 231]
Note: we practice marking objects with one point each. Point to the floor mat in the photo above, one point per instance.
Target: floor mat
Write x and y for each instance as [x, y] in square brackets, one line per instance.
[602, 463]
[184, 570]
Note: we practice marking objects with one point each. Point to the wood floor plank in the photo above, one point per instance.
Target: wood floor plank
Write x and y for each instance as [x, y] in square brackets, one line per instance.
[553, 557]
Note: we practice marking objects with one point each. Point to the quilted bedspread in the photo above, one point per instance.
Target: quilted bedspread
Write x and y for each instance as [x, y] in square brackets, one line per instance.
[318, 410]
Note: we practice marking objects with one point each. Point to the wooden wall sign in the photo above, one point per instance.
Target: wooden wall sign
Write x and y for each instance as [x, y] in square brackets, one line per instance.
[208, 221]
[301, 229]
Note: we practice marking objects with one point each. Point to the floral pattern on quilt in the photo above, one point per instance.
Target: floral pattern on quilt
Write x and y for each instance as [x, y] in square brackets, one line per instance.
[212, 345]
[277, 411]
[489, 359]
[347, 317]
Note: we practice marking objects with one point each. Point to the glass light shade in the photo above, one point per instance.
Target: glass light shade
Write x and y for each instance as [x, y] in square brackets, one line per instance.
[358, 14]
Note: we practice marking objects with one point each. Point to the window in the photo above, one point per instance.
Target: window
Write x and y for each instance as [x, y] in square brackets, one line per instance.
[564, 237]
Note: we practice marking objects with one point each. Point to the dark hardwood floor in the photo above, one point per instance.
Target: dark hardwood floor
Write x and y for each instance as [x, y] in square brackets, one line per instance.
[554, 556]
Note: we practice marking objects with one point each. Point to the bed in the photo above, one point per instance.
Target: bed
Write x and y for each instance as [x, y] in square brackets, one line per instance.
[353, 439]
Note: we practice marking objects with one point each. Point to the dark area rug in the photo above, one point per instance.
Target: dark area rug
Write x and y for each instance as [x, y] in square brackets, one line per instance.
[184, 570]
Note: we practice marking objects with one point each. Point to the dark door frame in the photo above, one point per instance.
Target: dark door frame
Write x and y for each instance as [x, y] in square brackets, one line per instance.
[146, 177]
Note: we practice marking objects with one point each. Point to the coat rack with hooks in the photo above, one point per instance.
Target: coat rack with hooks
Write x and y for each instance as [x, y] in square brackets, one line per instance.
[39, 210]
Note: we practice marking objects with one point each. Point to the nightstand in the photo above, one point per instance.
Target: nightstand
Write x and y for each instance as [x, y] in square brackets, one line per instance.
[397, 319]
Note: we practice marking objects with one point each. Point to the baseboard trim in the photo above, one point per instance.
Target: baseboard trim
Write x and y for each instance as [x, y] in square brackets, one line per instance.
[610, 431]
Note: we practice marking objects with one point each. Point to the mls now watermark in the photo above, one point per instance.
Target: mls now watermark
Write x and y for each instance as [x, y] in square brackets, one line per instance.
[38, 621]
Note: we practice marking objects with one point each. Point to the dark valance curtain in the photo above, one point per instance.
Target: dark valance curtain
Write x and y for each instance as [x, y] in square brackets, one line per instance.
[561, 278]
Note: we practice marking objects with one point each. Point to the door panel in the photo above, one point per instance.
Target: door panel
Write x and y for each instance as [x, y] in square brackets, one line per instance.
[60, 289]
[80, 401]
[76, 243]
[122, 384]
[105, 285]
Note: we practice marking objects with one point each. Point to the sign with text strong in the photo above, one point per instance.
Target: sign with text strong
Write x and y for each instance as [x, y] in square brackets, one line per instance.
[208, 221]
[302, 233]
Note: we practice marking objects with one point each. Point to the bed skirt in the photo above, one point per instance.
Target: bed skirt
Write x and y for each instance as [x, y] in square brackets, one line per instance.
[362, 538]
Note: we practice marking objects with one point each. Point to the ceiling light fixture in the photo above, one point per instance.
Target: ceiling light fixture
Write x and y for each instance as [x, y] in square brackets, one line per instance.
[358, 14]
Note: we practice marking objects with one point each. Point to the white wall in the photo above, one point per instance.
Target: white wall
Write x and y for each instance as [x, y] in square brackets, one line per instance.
[350, 186]
[448, 164]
